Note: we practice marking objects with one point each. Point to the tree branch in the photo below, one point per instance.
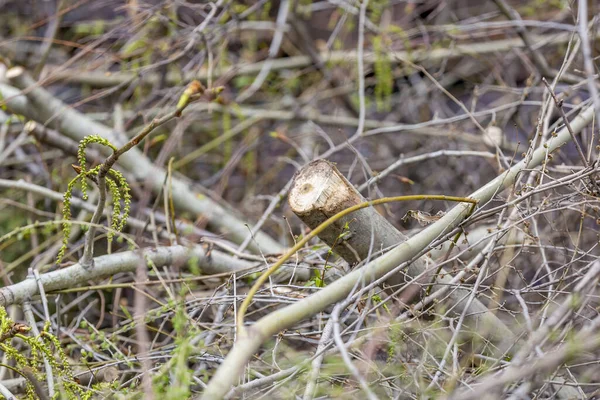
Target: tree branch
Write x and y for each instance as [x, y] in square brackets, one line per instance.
[38, 104]
[252, 338]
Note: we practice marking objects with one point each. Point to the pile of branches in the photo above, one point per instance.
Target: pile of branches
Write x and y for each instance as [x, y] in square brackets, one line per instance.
[277, 199]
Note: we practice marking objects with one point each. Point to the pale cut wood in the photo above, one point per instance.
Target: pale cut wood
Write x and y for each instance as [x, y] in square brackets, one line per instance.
[320, 191]
[250, 340]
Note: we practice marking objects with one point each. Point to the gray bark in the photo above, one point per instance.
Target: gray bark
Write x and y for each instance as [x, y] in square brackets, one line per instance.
[320, 191]
[210, 262]
[38, 104]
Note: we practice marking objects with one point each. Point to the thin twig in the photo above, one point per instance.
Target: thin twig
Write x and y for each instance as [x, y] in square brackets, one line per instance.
[559, 106]
[588, 63]
[194, 89]
[272, 206]
[30, 318]
[538, 59]
[51, 32]
[284, 7]
[315, 367]
[337, 337]
[140, 304]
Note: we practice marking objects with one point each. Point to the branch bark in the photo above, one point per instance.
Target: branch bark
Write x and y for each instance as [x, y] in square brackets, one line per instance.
[38, 104]
[252, 338]
[320, 191]
[212, 262]
[106, 79]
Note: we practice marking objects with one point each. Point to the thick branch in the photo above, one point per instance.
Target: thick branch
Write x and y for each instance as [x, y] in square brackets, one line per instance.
[41, 106]
[104, 266]
[253, 337]
[320, 191]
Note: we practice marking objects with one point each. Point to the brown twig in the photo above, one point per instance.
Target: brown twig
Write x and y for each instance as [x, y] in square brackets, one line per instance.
[538, 59]
[559, 105]
[194, 90]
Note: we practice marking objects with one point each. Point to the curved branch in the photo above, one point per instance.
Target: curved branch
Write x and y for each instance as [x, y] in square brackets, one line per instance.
[38, 104]
[252, 338]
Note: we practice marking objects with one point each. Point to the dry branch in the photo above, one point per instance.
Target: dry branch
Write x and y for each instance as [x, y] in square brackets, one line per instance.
[108, 79]
[522, 368]
[213, 262]
[253, 337]
[320, 191]
[39, 105]
[84, 205]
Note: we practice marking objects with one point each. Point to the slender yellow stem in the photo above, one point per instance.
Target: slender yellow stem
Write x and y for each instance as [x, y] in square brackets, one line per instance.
[265, 275]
